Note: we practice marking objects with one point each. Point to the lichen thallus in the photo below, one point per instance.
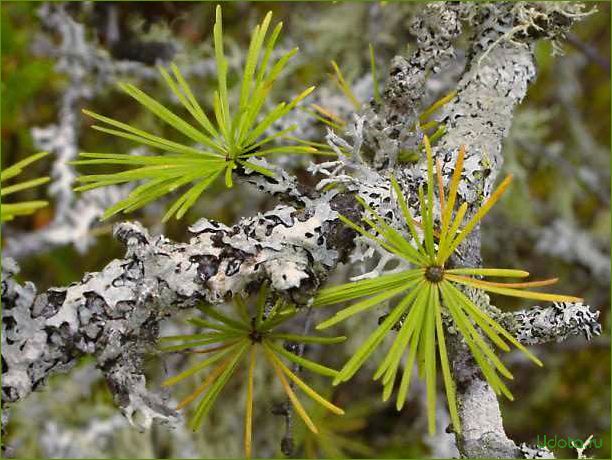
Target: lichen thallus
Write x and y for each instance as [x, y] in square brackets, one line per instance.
[431, 295]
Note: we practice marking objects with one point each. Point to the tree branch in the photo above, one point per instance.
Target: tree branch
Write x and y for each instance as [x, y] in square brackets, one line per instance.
[114, 314]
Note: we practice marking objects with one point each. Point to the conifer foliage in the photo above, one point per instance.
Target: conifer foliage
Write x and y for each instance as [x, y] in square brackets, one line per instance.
[218, 144]
[431, 295]
[11, 210]
[248, 337]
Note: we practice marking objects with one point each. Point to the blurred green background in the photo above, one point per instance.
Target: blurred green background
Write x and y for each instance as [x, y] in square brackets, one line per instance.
[558, 151]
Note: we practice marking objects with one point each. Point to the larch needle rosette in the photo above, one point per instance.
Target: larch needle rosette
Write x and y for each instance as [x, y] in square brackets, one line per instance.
[231, 341]
[230, 139]
[8, 211]
[430, 295]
